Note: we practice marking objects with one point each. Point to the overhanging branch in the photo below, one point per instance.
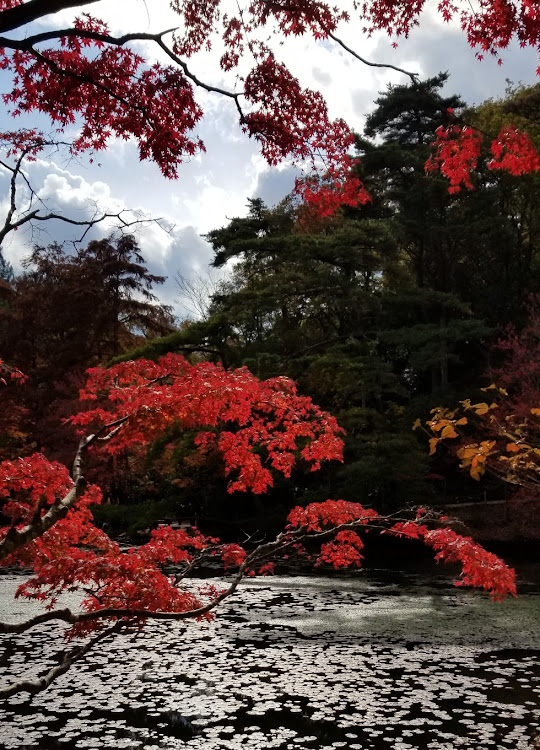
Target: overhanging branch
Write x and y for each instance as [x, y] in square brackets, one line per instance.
[68, 659]
[337, 40]
[16, 538]
[20, 15]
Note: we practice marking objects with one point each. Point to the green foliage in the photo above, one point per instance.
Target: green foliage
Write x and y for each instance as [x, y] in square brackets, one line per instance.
[378, 313]
[65, 313]
[6, 270]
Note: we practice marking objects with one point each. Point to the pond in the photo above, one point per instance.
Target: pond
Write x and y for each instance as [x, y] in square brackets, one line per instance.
[379, 660]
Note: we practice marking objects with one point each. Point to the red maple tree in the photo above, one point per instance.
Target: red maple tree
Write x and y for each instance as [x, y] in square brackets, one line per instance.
[83, 74]
[259, 427]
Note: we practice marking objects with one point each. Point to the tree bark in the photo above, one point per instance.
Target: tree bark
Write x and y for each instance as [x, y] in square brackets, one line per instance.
[21, 15]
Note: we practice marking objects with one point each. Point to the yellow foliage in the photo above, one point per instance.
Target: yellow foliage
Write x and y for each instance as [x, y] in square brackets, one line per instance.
[513, 447]
[481, 409]
[449, 432]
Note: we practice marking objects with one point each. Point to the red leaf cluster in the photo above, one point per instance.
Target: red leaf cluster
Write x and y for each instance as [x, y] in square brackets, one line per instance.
[299, 17]
[479, 568]
[247, 420]
[514, 152]
[324, 195]
[98, 79]
[113, 91]
[13, 372]
[343, 551]
[490, 25]
[251, 423]
[457, 150]
[233, 555]
[321, 516]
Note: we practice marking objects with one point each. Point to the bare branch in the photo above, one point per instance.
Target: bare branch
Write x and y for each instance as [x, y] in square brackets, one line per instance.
[331, 35]
[412, 76]
[124, 219]
[197, 291]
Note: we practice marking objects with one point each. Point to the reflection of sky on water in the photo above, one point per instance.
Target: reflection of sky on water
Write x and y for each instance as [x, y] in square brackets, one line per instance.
[303, 663]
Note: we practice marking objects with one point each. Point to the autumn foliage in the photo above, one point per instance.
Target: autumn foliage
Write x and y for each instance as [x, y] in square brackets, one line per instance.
[112, 91]
[258, 427]
[83, 75]
[457, 149]
[499, 435]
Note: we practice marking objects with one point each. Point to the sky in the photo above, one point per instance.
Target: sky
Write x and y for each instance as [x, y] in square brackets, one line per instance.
[214, 187]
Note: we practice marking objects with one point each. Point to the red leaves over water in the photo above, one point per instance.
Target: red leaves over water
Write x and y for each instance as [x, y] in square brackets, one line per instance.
[250, 422]
[479, 568]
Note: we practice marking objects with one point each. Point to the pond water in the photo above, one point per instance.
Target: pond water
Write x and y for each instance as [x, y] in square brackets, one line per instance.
[384, 660]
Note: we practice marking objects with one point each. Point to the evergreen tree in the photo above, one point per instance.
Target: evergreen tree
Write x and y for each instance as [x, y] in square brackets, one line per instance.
[6, 270]
[309, 305]
[394, 150]
[380, 312]
[70, 312]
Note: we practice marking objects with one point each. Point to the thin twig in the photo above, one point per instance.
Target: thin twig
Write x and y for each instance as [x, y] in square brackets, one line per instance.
[412, 76]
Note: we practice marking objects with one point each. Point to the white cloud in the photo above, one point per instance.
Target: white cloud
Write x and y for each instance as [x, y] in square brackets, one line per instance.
[74, 192]
[435, 47]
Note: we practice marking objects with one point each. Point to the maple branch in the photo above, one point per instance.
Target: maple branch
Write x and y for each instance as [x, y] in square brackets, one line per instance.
[88, 79]
[69, 658]
[28, 42]
[20, 15]
[412, 76]
[326, 30]
[66, 615]
[27, 45]
[197, 81]
[283, 541]
[16, 538]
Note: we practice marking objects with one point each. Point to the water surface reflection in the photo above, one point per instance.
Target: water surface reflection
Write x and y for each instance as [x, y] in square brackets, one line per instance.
[302, 663]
